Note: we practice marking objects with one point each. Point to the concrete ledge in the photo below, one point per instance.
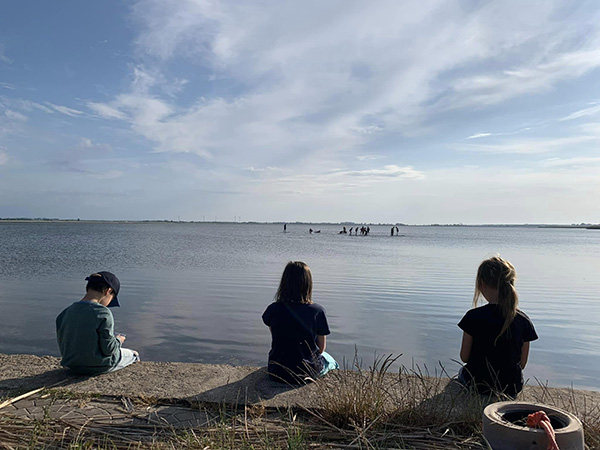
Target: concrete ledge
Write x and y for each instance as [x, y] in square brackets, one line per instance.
[155, 380]
[220, 384]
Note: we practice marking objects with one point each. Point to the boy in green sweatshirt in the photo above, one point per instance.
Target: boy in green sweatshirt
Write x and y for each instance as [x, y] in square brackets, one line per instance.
[85, 330]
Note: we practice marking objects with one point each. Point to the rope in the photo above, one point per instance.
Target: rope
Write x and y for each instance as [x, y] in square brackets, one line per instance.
[540, 419]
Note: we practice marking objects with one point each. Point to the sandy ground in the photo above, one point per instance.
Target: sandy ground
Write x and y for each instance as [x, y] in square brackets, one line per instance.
[228, 384]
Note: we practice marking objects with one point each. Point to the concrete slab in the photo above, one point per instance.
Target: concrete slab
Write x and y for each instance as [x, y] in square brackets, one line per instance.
[227, 384]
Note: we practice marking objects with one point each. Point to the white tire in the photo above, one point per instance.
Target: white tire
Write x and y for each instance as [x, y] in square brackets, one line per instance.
[503, 434]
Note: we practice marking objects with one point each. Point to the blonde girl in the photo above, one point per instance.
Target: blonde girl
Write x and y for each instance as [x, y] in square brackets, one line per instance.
[298, 329]
[496, 336]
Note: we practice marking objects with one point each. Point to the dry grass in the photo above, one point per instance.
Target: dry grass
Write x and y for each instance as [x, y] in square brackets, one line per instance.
[414, 408]
[574, 402]
[370, 409]
[408, 408]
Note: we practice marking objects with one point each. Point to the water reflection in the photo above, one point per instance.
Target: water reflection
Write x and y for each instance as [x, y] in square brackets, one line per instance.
[195, 292]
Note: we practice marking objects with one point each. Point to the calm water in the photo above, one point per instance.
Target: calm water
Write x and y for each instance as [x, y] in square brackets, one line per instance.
[196, 292]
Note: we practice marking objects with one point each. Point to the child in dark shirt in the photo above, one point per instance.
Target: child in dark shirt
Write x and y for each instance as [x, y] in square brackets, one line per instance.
[298, 329]
[496, 336]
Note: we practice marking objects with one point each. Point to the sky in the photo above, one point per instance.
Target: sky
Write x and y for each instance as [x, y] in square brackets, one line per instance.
[414, 112]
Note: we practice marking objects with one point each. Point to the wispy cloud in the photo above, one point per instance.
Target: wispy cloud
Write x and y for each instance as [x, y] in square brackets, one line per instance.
[29, 105]
[65, 110]
[489, 89]
[86, 156]
[479, 135]
[592, 110]
[3, 157]
[108, 175]
[530, 146]
[369, 157]
[572, 162]
[3, 58]
[323, 99]
[389, 171]
[15, 115]
[289, 78]
[267, 169]
[106, 111]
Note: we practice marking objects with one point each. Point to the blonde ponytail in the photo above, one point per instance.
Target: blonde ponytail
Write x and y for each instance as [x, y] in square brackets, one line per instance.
[498, 273]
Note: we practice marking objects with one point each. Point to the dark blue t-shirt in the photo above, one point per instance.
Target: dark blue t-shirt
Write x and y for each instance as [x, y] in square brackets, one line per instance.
[294, 330]
[497, 366]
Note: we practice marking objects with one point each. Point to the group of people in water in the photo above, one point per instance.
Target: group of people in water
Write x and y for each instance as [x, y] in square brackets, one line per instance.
[495, 342]
[364, 231]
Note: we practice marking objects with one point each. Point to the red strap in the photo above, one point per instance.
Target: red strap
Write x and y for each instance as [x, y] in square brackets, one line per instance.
[540, 419]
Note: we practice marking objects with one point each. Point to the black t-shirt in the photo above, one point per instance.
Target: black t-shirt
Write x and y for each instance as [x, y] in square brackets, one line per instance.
[294, 330]
[496, 366]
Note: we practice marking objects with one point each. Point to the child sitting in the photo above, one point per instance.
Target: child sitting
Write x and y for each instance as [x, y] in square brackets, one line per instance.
[496, 336]
[298, 329]
[84, 330]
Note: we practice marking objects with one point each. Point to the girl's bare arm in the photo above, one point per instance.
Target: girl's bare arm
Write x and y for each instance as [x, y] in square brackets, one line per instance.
[465, 348]
[321, 343]
[524, 354]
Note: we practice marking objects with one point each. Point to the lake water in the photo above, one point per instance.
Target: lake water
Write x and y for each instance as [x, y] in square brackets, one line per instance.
[196, 292]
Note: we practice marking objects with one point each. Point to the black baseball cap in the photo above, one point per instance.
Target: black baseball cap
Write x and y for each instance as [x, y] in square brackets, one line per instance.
[112, 281]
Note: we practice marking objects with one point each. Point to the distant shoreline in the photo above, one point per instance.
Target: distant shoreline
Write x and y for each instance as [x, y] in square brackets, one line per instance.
[86, 221]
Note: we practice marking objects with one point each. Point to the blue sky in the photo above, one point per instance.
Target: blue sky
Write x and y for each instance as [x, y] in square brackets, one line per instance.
[416, 112]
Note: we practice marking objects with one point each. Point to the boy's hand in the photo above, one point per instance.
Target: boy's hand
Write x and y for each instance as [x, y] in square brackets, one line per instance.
[121, 337]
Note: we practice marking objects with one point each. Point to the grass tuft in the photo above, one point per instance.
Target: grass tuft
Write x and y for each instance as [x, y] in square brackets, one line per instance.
[373, 408]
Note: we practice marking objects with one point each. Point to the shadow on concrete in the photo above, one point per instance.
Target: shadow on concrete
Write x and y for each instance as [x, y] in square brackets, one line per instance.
[253, 388]
[455, 403]
[50, 379]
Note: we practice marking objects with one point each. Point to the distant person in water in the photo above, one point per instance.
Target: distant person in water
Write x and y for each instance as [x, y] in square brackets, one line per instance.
[397, 231]
[298, 329]
[85, 332]
[351, 230]
[284, 227]
[310, 231]
[392, 231]
[496, 336]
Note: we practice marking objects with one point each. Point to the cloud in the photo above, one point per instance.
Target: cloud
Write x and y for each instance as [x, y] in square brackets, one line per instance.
[110, 175]
[489, 89]
[530, 146]
[90, 147]
[330, 183]
[106, 111]
[87, 157]
[577, 161]
[268, 169]
[29, 106]
[582, 113]
[3, 157]
[368, 157]
[15, 115]
[11, 121]
[327, 87]
[479, 135]
[391, 171]
[287, 98]
[65, 110]
[3, 57]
